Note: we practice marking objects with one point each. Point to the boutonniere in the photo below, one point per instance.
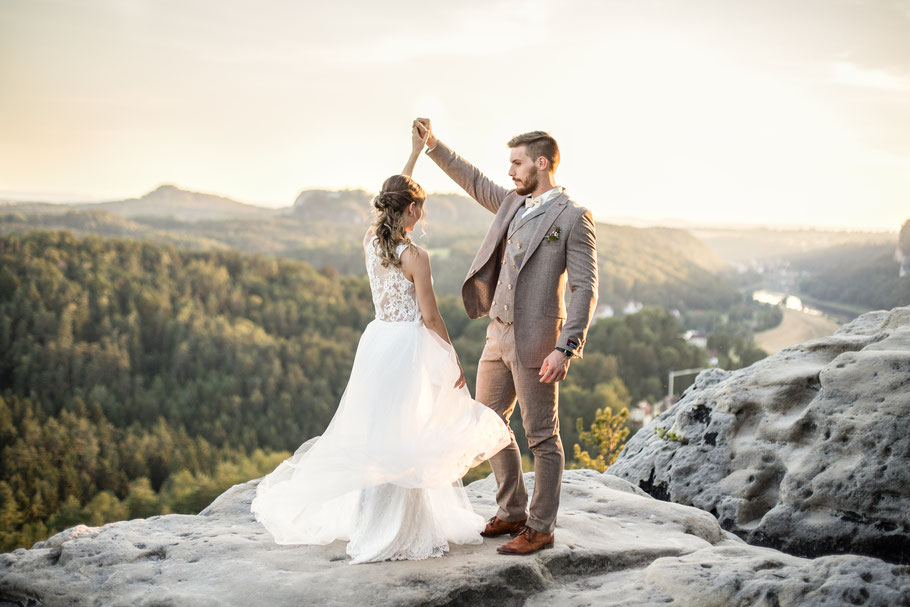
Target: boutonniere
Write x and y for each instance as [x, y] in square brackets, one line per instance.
[553, 235]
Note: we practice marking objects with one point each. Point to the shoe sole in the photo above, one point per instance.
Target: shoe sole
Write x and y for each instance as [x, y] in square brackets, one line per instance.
[509, 533]
[544, 547]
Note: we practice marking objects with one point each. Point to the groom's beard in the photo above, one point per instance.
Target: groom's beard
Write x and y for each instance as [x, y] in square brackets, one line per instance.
[526, 186]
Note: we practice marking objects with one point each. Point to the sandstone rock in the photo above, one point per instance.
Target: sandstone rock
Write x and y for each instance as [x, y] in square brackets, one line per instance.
[739, 575]
[807, 451]
[612, 542]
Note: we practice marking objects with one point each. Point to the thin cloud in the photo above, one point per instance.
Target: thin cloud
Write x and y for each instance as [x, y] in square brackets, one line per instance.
[851, 74]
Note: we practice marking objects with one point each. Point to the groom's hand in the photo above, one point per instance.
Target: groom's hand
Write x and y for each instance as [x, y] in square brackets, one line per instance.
[424, 128]
[555, 367]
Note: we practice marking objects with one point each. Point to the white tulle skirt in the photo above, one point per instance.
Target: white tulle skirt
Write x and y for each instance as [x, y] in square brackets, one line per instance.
[386, 473]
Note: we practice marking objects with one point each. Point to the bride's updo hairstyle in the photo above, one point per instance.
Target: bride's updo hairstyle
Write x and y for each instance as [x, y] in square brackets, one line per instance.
[391, 204]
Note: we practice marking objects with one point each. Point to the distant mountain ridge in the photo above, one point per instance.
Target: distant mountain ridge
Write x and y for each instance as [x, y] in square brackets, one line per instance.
[448, 212]
[353, 207]
[171, 201]
[341, 207]
[742, 246]
[167, 200]
[661, 266]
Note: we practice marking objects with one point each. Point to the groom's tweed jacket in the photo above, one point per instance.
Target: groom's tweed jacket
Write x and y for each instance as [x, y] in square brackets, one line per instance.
[540, 316]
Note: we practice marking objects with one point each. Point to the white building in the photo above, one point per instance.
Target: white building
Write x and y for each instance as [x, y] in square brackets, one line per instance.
[603, 311]
[696, 338]
[633, 307]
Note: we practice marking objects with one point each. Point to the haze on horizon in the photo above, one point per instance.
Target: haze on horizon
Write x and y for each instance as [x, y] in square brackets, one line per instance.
[705, 110]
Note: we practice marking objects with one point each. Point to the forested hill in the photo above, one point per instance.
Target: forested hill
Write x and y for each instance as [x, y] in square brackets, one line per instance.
[140, 379]
[866, 276]
[659, 266]
[137, 379]
[147, 331]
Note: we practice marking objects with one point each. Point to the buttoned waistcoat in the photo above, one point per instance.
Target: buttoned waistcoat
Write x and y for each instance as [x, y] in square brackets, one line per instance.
[518, 236]
[560, 250]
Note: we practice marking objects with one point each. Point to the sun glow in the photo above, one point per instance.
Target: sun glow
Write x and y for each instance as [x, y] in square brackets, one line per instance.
[660, 112]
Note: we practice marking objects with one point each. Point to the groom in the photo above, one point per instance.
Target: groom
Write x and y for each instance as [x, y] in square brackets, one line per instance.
[538, 237]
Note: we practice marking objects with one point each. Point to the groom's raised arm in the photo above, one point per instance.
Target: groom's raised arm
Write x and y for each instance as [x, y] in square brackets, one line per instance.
[478, 186]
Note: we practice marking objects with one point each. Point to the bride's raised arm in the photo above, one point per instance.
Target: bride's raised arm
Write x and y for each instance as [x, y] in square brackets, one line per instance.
[417, 143]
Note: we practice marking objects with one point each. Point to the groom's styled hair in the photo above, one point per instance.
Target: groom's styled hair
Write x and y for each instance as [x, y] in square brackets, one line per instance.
[540, 143]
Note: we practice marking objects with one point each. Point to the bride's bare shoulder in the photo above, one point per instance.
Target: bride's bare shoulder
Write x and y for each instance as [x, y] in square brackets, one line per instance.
[414, 252]
[415, 263]
[368, 235]
[414, 256]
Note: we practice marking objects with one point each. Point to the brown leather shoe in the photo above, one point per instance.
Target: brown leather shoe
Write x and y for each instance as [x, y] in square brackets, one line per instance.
[496, 527]
[528, 541]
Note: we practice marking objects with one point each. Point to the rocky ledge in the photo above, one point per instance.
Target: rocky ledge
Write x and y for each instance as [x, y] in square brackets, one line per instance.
[807, 451]
[615, 545]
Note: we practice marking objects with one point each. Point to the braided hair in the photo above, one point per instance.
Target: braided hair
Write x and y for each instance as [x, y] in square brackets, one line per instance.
[390, 205]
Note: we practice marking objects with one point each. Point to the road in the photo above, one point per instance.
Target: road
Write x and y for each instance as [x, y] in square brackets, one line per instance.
[795, 328]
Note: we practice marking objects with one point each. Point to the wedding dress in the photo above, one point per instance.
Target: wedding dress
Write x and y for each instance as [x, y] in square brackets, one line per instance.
[386, 473]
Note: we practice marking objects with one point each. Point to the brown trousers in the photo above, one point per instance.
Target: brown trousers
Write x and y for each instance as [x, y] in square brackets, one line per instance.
[500, 379]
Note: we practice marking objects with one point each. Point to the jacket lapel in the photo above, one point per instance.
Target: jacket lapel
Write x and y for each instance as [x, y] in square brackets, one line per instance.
[495, 234]
[557, 206]
[517, 207]
[515, 225]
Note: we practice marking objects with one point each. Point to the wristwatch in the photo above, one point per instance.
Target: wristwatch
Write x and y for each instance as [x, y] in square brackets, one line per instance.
[567, 353]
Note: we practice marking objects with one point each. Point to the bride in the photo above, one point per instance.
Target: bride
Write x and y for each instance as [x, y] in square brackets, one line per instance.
[386, 473]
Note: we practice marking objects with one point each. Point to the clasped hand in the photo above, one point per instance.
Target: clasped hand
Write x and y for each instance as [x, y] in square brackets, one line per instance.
[419, 136]
[422, 132]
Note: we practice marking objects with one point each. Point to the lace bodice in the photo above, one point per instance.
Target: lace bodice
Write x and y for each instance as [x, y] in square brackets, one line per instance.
[394, 296]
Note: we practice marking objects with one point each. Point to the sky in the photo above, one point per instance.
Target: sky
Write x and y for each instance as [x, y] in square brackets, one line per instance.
[712, 111]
